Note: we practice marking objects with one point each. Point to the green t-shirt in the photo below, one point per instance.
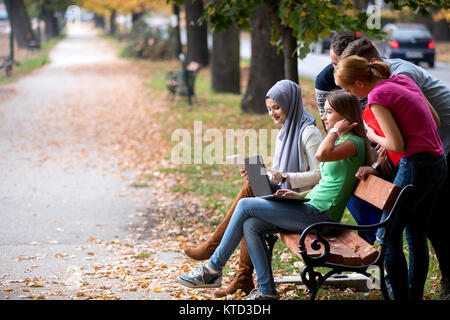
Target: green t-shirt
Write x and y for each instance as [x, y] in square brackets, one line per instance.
[338, 180]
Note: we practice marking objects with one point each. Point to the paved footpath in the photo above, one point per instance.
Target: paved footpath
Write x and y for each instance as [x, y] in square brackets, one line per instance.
[59, 197]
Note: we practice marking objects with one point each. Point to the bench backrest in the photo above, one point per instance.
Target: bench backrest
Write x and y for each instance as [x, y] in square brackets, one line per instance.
[378, 192]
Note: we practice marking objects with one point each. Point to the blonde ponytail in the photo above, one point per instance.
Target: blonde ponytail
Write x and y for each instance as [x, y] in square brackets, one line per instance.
[354, 68]
[382, 70]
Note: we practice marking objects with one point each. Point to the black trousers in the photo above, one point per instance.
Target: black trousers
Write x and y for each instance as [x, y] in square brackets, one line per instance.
[439, 224]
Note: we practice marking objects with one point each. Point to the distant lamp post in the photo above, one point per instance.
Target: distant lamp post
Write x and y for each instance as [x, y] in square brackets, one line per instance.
[11, 34]
[8, 62]
[39, 14]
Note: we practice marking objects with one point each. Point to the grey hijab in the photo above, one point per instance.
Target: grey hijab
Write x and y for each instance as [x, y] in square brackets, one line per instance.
[288, 96]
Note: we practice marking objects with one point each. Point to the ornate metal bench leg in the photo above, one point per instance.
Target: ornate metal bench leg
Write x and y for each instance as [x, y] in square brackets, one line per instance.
[271, 240]
[312, 279]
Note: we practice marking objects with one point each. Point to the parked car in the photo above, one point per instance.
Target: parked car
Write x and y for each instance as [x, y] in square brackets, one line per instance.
[411, 42]
[323, 44]
[3, 12]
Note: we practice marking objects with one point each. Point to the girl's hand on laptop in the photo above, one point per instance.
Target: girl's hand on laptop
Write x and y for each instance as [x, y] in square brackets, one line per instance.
[244, 174]
[285, 192]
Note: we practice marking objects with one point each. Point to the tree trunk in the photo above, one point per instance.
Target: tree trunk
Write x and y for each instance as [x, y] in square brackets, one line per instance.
[99, 21]
[266, 65]
[290, 55]
[135, 16]
[112, 22]
[21, 23]
[51, 23]
[197, 42]
[176, 30]
[225, 61]
[441, 30]
[288, 41]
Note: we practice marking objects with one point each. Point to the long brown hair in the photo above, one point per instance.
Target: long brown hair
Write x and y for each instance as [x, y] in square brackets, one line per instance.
[349, 107]
[354, 68]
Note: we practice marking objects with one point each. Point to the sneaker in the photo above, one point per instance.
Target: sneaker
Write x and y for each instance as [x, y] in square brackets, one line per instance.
[201, 277]
[256, 294]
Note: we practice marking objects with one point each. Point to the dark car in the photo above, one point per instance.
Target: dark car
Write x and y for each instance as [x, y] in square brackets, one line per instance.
[323, 45]
[411, 42]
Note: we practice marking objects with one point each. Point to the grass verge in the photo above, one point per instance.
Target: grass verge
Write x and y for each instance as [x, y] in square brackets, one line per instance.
[40, 58]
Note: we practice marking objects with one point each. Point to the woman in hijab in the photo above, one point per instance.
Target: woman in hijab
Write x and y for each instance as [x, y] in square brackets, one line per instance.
[341, 153]
[294, 167]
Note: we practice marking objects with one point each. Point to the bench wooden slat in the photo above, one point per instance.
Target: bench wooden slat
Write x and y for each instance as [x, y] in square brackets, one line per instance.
[346, 248]
[378, 192]
[339, 248]
[365, 251]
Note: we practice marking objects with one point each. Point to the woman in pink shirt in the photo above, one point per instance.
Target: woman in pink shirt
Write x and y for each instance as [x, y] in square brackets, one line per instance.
[410, 126]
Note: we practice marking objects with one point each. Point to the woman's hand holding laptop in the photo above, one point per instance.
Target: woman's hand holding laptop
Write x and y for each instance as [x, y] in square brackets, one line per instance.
[244, 174]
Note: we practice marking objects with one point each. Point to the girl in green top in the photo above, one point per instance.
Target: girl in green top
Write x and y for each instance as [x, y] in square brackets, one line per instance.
[342, 152]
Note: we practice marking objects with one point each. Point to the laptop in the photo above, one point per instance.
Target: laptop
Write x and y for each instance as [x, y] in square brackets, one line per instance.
[259, 181]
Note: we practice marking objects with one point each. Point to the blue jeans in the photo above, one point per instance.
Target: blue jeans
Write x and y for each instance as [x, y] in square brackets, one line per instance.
[364, 213]
[426, 172]
[252, 219]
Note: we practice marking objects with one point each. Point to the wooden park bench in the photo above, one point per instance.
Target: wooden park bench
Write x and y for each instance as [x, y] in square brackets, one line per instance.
[7, 64]
[336, 246]
[33, 45]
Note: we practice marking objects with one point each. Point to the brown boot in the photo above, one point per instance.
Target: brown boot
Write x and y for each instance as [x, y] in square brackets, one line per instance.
[244, 276]
[205, 250]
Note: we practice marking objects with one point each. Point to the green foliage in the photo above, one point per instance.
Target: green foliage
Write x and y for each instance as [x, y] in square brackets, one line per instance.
[35, 62]
[35, 8]
[149, 42]
[309, 19]
[56, 5]
[423, 7]
[143, 255]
